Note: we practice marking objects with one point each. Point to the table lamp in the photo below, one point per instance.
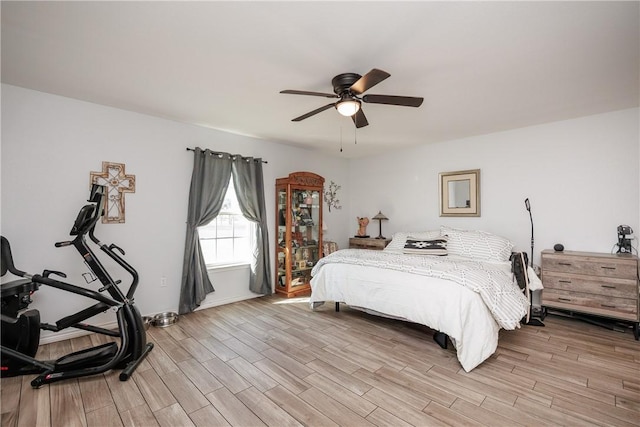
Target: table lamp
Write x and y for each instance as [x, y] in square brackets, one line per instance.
[380, 217]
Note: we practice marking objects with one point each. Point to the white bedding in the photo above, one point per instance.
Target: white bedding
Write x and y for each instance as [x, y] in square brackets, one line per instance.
[441, 304]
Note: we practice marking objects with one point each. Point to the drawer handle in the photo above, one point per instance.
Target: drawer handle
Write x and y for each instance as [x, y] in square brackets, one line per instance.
[564, 299]
[564, 263]
[607, 268]
[564, 281]
[608, 286]
[607, 306]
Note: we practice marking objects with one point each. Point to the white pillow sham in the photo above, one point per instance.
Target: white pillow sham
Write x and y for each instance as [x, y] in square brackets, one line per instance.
[477, 244]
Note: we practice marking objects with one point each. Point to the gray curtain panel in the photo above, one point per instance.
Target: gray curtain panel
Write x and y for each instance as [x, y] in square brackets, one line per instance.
[209, 182]
[249, 186]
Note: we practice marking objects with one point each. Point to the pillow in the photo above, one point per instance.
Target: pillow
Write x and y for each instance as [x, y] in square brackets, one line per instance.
[479, 245]
[437, 246]
[400, 238]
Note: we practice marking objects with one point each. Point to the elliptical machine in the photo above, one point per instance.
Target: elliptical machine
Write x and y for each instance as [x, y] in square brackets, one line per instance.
[21, 327]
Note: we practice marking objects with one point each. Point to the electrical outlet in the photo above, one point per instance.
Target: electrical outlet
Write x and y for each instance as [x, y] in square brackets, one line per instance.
[163, 282]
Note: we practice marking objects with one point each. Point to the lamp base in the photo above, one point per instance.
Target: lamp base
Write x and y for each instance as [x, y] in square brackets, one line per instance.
[380, 230]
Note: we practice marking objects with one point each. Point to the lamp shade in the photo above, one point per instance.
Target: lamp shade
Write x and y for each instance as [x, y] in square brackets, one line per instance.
[348, 107]
[380, 216]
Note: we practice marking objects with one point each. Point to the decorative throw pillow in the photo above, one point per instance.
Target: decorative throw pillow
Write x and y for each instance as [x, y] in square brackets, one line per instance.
[400, 238]
[437, 246]
[477, 244]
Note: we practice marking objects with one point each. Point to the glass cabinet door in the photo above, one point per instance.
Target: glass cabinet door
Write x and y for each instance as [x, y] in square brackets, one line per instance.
[305, 226]
[299, 225]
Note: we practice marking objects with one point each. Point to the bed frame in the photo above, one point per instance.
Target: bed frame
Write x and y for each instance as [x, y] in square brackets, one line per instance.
[439, 337]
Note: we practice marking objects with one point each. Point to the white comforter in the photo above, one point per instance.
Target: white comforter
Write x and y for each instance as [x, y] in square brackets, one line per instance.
[453, 295]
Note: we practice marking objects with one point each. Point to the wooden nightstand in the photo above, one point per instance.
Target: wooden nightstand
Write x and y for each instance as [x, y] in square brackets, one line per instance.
[592, 283]
[368, 243]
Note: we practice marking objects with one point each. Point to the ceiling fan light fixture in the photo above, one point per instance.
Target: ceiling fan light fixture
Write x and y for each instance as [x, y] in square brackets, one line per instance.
[348, 107]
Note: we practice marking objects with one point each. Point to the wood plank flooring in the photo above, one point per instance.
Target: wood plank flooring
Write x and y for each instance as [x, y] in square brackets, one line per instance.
[272, 361]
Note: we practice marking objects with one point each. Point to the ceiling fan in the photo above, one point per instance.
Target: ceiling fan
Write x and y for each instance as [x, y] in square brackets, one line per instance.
[348, 87]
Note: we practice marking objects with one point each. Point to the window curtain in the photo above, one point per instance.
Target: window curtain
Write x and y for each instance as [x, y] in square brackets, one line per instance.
[249, 186]
[209, 182]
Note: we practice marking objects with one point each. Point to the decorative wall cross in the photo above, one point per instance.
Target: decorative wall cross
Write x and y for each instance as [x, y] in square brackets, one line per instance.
[117, 183]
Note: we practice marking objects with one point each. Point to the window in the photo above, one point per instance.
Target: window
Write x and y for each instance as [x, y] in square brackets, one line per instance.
[226, 239]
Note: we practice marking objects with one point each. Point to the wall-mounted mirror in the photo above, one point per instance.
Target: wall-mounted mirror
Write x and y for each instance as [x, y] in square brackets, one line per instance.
[460, 193]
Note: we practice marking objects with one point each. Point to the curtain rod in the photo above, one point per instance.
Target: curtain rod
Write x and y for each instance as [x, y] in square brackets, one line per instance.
[222, 154]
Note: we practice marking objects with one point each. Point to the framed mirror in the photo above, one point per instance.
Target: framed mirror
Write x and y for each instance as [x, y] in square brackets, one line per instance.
[460, 193]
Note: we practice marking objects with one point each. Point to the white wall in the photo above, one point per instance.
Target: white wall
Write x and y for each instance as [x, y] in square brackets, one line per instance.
[581, 177]
[50, 144]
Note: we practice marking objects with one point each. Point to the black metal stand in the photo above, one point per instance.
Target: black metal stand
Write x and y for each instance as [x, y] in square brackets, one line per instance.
[531, 321]
[534, 322]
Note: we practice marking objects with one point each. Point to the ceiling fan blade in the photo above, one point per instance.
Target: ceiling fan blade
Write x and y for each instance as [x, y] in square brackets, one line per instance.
[368, 81]
[304, 92]
[405, 101]
[314, 112]
[359, 119]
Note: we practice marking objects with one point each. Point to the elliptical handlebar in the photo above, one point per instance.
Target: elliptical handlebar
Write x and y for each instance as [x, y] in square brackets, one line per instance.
[110, 251]
[47, 273]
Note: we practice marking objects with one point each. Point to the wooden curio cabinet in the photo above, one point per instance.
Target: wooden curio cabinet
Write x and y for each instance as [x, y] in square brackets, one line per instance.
[299, 225]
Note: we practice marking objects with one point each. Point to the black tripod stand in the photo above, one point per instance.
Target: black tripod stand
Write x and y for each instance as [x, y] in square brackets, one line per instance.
[531, 321]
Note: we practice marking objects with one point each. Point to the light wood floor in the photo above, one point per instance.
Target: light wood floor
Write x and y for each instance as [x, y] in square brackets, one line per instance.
[272, 361]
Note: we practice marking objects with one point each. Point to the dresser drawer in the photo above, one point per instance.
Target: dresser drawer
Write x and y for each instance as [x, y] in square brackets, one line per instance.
[610, 266]
[606, 286]
[619, 308]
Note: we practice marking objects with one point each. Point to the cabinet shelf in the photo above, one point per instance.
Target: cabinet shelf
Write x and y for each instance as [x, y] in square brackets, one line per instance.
[299, 240]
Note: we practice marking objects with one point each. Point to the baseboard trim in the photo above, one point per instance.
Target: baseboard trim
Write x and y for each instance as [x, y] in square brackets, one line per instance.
[227, 301]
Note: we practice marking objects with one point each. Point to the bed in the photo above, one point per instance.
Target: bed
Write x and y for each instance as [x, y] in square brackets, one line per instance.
[467, 291]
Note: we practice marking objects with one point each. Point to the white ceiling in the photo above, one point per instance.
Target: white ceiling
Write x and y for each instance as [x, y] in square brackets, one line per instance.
[481, 67]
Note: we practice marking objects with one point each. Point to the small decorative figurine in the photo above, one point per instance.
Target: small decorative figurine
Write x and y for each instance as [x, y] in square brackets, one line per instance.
[362, 226]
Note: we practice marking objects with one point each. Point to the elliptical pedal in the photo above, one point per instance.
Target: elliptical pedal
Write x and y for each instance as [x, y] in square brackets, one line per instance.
[87, 358]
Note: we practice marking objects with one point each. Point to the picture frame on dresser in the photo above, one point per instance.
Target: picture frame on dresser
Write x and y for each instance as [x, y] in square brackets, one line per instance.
[596, 287]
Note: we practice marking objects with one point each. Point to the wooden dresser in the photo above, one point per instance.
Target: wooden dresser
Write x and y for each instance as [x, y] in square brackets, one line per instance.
[592, 283]
[368, 243]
